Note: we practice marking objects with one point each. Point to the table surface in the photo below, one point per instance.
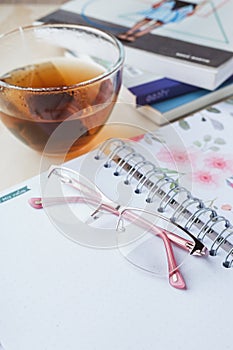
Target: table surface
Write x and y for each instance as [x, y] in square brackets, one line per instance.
[18, 162]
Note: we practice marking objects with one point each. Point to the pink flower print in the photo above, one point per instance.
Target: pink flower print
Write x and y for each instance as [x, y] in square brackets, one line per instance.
[226, 207]
[219, 162]
[177, 157]
[204, 177]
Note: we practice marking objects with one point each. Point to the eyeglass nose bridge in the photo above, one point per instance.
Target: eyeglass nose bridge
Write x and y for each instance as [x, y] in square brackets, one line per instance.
[120, 224]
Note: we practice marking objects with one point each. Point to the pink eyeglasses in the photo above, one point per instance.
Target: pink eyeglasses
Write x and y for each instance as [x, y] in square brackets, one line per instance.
[146, 239]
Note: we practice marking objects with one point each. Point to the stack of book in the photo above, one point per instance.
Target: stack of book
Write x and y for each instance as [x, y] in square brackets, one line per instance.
[179, 54]
[163, 100]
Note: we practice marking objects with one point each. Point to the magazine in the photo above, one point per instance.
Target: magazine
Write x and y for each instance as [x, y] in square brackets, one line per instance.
[191, 42]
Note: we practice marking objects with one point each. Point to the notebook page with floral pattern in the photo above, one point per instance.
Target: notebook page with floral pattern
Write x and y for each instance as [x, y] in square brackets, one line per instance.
[204, 158]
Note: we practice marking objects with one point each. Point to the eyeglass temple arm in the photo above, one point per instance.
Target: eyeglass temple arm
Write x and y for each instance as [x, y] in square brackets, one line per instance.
[40, 203]
[176, 279]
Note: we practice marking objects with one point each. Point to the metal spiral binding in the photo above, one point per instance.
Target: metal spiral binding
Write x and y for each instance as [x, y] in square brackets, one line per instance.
[145, 180]
[211, 223]
[155, 180]
[170, 196]
[158, 188]
[126, 160]
[220, 238]
[138, 166]
[196, 217]
[184, 208]
[228, 259]
[104, 146]
[117, 150]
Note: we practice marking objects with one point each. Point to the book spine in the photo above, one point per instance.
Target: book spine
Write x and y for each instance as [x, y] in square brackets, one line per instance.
[160, 90]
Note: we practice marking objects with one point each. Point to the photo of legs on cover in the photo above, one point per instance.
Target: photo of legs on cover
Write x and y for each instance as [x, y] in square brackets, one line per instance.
[161, 13]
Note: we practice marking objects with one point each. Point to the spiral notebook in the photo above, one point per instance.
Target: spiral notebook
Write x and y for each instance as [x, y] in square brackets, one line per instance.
[155, 190]
[57, 294]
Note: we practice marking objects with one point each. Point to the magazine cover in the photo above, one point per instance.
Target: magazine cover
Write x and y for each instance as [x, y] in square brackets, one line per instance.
[195, 34]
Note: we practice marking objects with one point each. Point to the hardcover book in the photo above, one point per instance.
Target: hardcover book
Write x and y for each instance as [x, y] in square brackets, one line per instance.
[191, 42]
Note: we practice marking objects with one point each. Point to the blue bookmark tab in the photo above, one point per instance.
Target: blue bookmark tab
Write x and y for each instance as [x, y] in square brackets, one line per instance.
[14, 194]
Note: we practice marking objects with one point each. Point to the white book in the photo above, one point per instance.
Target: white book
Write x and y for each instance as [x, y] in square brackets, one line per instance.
[193, 45]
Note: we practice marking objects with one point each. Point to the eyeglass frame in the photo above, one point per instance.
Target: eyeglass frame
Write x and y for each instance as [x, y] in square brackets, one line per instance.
[194, 247]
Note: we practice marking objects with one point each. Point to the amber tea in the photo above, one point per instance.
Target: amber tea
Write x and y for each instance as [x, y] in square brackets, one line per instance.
[37, 99]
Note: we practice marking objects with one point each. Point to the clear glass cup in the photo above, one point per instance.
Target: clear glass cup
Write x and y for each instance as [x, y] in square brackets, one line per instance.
[58, 78]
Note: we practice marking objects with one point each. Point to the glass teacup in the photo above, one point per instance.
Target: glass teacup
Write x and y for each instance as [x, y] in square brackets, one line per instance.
[58, 75]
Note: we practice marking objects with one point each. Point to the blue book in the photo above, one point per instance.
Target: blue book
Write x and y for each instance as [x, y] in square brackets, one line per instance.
[149, 88]
[160, 90]
[171, 109]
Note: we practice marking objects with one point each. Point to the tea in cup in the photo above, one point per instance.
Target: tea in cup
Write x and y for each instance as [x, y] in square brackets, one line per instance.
[58, 76]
